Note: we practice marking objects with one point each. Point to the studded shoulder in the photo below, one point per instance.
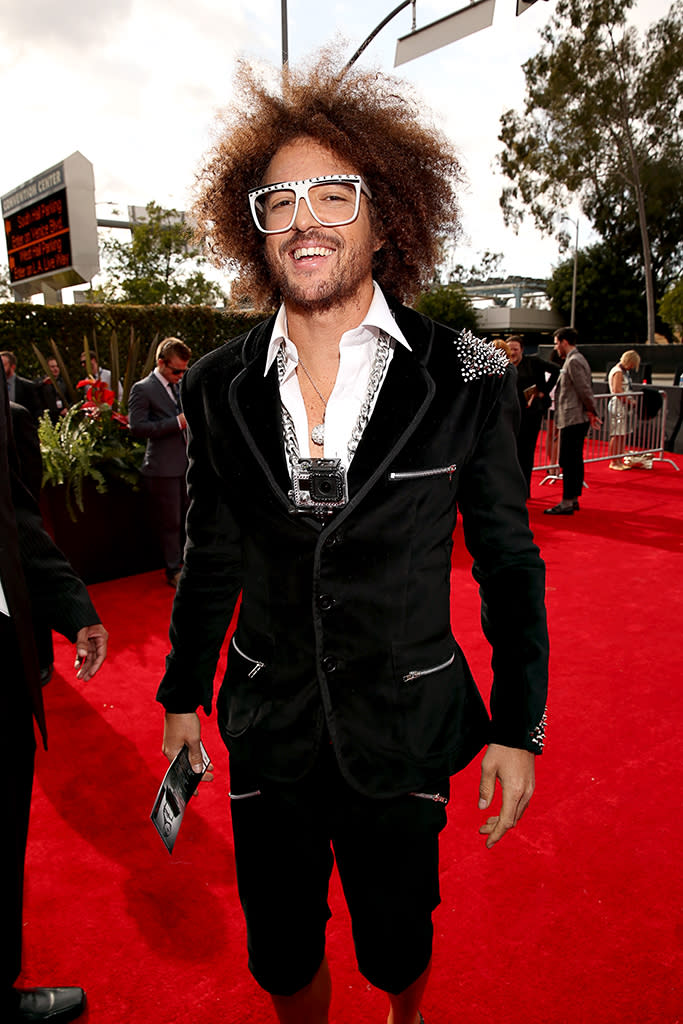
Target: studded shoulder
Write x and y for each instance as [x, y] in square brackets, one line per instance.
[479, 358]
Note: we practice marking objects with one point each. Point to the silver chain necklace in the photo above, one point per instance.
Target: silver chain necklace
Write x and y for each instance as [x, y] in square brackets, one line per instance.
[374, 380]
[318, 432]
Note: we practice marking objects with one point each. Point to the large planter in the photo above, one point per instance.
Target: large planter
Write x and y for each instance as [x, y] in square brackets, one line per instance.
[111, 538]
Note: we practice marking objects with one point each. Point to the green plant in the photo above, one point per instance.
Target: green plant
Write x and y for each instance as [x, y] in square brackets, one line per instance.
[23, 324]
[92, 442]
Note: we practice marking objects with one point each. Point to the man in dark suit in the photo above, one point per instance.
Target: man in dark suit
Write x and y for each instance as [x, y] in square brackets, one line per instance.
[154, 414]
[330, 450]
[21, 390]
[35, 583]
[53, 392]
[536, 378]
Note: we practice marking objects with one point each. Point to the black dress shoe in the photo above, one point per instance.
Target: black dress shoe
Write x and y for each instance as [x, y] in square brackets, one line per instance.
[51, 1005]
[560, 510]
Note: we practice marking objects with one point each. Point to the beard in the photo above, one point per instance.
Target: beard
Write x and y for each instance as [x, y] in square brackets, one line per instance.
[353, 266]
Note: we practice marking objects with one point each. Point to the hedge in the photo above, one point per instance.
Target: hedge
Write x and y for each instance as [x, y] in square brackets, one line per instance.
[201, 327]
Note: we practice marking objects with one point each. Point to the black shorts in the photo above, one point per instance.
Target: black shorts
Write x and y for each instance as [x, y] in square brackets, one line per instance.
[387, 856]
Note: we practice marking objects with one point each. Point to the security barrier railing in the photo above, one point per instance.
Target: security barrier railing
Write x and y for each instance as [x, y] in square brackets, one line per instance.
[632, 432]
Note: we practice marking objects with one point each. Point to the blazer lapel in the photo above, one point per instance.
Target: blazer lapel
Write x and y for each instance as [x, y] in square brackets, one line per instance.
[167, 396]
[255, 403]
[402, 402]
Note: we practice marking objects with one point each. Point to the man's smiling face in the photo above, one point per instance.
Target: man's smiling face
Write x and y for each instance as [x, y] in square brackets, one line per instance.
[317, 268]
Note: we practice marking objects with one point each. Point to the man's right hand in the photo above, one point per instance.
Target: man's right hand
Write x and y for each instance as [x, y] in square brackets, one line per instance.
[180, 730]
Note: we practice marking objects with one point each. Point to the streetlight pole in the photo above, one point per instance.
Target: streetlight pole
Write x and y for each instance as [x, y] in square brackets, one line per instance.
[375, 31]
[285, 34]
[572, 322]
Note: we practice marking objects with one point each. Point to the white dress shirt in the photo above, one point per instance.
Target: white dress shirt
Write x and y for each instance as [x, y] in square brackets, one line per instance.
[357, 349]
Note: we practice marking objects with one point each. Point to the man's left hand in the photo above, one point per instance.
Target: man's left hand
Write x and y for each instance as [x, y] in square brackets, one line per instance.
[91, 650]
[514, 769]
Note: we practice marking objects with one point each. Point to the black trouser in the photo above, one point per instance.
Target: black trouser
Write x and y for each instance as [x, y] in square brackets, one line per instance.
[168, 508]
[18, 756]
[571, 459]
[529, 429]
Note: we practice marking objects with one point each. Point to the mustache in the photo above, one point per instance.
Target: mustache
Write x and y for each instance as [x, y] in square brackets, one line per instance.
[309, 238]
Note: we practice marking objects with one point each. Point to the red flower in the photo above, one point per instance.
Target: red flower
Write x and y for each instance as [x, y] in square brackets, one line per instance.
[97, 391]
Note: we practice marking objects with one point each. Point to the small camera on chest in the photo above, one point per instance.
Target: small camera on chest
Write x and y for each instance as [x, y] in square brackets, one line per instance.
[319, 485]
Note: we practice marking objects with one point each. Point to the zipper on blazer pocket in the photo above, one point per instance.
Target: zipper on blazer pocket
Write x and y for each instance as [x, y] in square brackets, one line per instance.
[258, 665]
[244, 796]
[437, 798]
[417, 673]
[418, 474]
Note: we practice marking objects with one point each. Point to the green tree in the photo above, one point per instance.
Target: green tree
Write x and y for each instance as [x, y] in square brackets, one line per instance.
[614, 219]
[160, 264]
[601, 120]
[671, 309]
[609, 297]
[449, 304]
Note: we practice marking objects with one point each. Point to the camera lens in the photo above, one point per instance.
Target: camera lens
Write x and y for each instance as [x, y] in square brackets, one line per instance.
[326, 488]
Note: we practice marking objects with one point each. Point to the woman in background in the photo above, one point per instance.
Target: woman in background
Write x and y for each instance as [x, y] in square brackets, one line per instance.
[620, 408]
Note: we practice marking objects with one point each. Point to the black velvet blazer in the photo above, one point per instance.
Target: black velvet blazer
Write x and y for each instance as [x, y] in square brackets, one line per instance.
[344, 628]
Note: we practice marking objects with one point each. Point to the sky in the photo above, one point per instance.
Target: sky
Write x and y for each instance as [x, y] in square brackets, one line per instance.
[135, 86]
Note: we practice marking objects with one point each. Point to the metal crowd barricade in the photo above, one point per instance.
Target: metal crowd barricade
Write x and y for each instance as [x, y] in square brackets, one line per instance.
[633, 429]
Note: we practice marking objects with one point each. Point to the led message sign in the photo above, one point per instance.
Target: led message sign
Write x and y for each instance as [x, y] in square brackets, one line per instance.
[51, 228]
[38, 239]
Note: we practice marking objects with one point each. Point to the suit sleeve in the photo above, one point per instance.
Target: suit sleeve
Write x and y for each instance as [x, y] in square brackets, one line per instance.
[510, 573]
[580, 374]
[140, 419]
[28, 395]
[59, 598]
[27, 447]
[211, 580]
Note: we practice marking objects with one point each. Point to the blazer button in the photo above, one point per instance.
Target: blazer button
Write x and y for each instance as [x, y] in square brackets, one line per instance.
[329, 664]
[325, 602]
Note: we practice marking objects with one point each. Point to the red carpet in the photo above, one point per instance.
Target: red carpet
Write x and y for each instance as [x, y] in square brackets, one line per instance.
[572, 918]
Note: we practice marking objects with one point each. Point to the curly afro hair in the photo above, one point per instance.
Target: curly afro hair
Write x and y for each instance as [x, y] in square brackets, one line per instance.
[368, 119]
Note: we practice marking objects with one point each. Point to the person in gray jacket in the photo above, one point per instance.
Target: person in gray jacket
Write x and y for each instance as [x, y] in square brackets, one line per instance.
[574, 412]
[154, 413]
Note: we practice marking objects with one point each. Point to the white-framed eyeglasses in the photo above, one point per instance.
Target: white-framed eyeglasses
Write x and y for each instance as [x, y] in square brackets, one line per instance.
[333, 199]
